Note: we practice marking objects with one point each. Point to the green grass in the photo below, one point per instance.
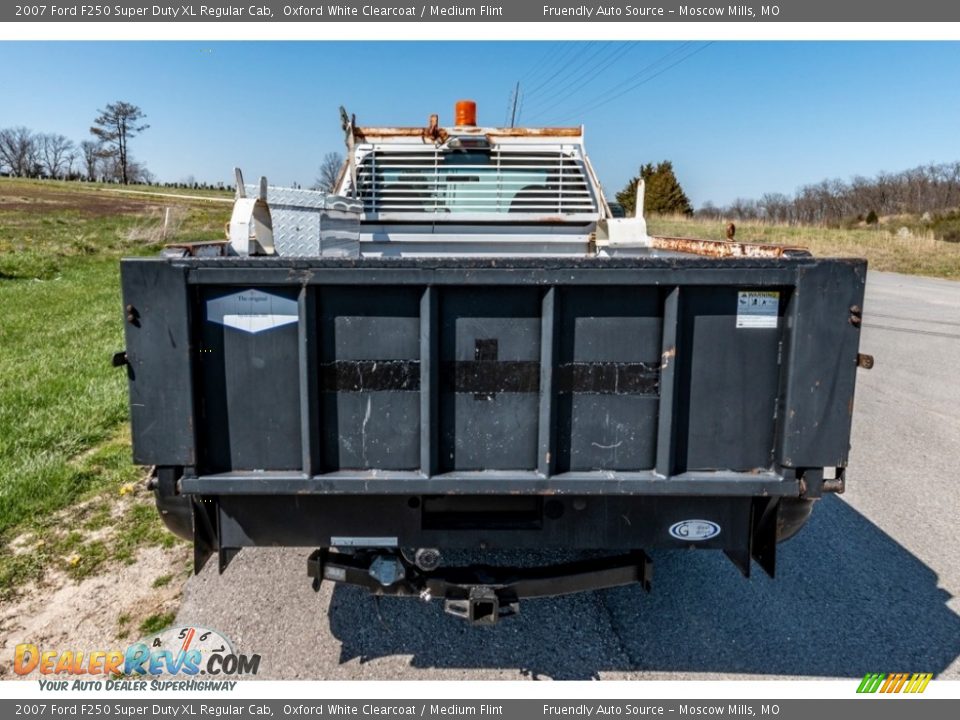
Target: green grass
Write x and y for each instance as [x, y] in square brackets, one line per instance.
[156, 623]
[162, 581]
[63, 408]
[919, 253]
[105, 189]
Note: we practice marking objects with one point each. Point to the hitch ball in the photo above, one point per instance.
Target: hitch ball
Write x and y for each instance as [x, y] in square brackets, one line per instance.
[427, 559]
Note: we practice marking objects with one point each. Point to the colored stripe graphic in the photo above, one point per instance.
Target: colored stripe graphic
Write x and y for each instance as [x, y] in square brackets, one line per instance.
[894, 683]
[870, 682]
[900, 681]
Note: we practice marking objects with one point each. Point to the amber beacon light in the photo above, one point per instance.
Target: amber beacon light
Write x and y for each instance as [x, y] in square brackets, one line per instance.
[465, 113]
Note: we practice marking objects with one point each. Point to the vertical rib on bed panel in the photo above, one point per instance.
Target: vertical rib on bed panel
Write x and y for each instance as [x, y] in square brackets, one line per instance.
[429, 377]
[309, 416]
[548, 360]
[666, 426]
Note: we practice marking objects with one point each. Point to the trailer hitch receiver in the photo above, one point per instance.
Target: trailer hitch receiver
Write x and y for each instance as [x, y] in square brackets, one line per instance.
[482, 606]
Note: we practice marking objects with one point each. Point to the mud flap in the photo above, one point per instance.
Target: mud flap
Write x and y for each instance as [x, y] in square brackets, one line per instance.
[762, 543]
[206, 535]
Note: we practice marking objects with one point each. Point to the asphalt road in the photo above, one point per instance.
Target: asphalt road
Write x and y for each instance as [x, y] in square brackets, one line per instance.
[871, 584]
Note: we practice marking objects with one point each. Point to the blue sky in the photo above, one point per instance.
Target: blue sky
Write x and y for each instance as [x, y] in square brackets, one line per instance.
[736, 118]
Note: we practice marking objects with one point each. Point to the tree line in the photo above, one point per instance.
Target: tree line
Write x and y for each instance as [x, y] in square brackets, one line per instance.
[104, 157]
[923, 190]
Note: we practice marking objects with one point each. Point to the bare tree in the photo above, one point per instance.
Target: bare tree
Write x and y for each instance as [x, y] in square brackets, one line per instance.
[90, 151]
[329, 172]
[71, 172]
[709, 211]
[18, 151]
[137, 173]
[743, 209]
[54, 151]
[114, 127]
[774, 207]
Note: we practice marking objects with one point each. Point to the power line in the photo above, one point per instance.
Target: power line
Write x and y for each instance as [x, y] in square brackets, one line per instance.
[679, 49]
[542, 64]
[553, 57]
[579, 51]
[587, 76]
[656, 74]
[602, 99]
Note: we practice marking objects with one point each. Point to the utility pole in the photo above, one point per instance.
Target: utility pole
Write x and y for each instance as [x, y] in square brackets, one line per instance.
[516, 99]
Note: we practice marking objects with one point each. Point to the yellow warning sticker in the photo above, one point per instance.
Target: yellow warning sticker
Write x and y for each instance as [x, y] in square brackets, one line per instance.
[758, 308]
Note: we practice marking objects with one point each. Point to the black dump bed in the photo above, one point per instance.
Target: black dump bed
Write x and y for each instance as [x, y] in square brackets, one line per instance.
[456, 402]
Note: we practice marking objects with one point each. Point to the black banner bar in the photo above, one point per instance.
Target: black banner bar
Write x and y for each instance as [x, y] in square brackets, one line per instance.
[872, 706]
[857, 11]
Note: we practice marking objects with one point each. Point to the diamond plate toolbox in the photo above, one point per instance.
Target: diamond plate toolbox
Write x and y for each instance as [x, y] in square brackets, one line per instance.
[310, 223]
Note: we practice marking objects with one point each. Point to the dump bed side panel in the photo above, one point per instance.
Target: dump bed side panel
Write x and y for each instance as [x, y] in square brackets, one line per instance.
[160, 355]
[823, 342]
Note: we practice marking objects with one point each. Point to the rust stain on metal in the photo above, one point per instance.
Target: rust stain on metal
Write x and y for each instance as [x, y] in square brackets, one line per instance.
[364, 134]
[666, 356]
[725, 248]
[836, 485]
[535, 132]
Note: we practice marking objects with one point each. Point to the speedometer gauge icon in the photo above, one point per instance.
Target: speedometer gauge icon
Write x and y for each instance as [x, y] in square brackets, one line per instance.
[179, 640]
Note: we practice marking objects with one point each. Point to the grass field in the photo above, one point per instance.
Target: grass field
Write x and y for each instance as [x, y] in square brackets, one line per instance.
[63, 408]
[64, 441]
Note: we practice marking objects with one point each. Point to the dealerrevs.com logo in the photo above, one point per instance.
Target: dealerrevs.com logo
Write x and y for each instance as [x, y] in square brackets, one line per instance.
[178, 652]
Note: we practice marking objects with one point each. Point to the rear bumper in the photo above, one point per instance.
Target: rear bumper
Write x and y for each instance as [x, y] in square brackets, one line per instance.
[744, 528]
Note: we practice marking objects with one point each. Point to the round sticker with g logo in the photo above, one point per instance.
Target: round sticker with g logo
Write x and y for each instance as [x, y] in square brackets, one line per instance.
[694, 530]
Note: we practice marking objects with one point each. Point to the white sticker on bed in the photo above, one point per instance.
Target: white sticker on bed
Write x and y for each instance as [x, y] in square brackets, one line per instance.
[252, 311]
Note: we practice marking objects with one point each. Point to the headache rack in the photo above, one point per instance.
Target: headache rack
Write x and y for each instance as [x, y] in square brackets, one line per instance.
[480, 184]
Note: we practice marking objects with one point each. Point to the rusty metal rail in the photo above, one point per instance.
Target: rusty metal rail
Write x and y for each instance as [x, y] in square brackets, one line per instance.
[727, 248]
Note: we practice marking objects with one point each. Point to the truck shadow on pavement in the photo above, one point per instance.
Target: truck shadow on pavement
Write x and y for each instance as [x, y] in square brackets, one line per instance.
[848, 600]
